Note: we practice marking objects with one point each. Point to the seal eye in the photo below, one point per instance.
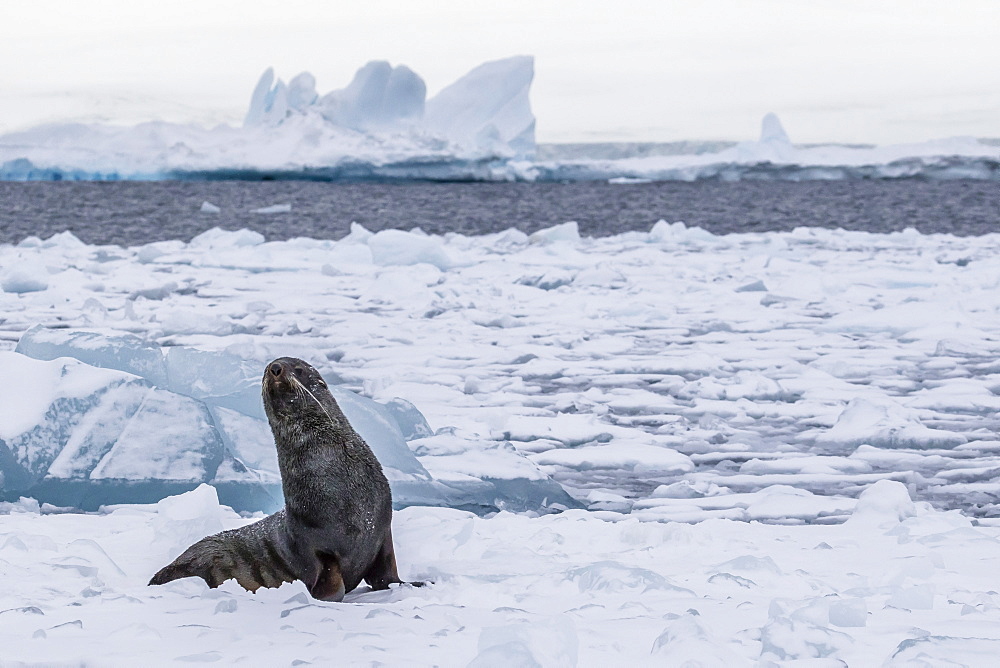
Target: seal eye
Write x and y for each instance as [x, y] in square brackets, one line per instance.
[275, 369]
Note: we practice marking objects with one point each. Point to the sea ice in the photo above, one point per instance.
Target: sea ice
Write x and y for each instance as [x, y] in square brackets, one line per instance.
[203, 422]
[801, 478]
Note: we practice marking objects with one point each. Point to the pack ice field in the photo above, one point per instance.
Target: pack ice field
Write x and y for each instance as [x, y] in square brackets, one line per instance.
[640, 448]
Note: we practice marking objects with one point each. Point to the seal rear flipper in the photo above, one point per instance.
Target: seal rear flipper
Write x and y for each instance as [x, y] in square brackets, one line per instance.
[188, 565]
[214, 559]
[329, 585]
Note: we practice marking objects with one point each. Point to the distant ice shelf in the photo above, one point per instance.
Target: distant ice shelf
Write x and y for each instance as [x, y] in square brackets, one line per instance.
[382, 127]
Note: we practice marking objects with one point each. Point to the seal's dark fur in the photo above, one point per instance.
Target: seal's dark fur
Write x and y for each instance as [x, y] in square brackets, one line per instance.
[335, 529]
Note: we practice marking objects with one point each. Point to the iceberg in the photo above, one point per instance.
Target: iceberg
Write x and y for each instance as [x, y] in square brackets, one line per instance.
[488, 107]
[379, 96]
[773, 157]
[114, 419]
[382, 126]
[379, 126]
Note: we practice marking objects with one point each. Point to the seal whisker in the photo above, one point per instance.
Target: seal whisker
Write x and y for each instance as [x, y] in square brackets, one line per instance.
[298, 385]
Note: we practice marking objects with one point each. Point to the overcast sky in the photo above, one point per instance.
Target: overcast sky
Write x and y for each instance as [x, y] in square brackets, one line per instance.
[622, 70]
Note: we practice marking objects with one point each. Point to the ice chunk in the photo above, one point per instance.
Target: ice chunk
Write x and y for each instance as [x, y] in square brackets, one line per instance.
[539, 643]
[615, 577]
[938, 650]
[629, 181]
[274, 208]
[885, 503]
[411, 422]
[185, 518]
[510, 653]
[27, 276]
[396, 247]
[208, 207]
[488, 477]
[639, 457]
[379, 96]
[601, 276]
[878, 420]
[913, 597]
[219, 238]
[377, 425]
[679, 233]
[170, 438]
[124, 352]
[249, 441]
[64, 402]
[569, 232]
[488, 107]
[849, 613]
[686, 642]
[219, 379]
[754, 286]
[787, 639]
[359, 234]
[97, 430]
[102, 436]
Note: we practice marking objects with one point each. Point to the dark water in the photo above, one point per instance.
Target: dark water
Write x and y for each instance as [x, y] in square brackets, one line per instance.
[131, 213]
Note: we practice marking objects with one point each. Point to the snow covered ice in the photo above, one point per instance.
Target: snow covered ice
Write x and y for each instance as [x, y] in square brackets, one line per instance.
[901, 588]
[773, 447]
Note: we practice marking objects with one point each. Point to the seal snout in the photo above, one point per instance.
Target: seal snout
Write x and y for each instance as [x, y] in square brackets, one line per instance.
[277, 377]
[284, 375]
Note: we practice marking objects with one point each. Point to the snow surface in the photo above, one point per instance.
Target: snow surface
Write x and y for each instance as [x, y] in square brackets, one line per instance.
[783, 445]
[481, 127]
[897, 585]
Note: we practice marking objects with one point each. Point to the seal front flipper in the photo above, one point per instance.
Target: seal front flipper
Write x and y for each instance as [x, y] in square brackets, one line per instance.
[329, 585]
[382, 572]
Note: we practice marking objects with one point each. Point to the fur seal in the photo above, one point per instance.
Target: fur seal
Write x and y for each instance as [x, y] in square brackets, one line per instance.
[335, 528]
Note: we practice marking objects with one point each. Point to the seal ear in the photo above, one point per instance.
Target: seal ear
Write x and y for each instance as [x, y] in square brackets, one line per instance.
[329, 585]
